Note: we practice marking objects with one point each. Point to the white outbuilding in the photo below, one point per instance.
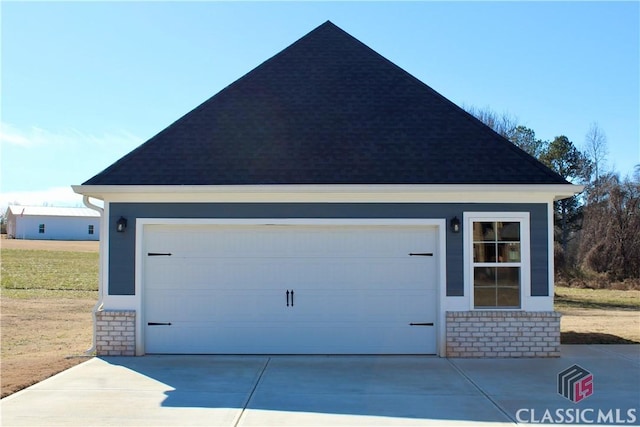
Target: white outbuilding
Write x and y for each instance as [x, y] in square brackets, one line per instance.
[52, 223]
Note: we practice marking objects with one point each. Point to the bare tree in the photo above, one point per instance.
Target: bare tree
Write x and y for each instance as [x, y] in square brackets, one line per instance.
[505, 124]
[3, 223]
[611, 232]
[595, 148]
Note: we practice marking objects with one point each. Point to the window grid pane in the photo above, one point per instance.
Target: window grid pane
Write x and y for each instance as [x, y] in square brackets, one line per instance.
[484, 252]
[485, 297]
[497, 264]
[508, 297]
[508, 231]
[509, 252]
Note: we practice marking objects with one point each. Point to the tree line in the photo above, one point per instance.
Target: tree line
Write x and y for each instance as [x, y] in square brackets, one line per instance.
[597, 232]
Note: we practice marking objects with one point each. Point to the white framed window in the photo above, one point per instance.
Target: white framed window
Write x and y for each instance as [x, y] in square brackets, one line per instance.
[90, 229]
[497, 259]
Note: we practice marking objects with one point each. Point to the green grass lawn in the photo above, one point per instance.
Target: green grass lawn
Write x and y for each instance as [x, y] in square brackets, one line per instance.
[605, 299]
[40, 273]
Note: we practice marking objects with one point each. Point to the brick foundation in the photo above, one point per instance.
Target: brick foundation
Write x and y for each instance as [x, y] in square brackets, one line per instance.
[503, 334]
[115, 333]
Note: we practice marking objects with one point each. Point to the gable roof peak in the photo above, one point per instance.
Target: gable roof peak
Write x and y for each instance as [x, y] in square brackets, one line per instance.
[327, 23]
[326, 110]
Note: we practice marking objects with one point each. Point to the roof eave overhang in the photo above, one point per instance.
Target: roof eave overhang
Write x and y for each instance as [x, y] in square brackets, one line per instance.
[369, 193]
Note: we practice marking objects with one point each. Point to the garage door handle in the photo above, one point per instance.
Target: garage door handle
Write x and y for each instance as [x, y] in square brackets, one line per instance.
[421, 324]
[158, 254]
[421, 254]
[287, 293]
[159, 324]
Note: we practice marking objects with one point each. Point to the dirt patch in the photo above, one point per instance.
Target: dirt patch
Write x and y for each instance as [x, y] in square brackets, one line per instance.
[41, 338]
[50, 245]
[596, 326]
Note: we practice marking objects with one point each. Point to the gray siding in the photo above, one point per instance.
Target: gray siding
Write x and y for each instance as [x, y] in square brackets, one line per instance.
[122, 245]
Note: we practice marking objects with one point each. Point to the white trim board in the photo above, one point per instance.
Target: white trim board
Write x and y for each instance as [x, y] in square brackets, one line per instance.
[527, 302]
[376, 193]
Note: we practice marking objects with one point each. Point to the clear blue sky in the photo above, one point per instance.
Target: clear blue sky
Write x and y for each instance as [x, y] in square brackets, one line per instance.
[83, 83]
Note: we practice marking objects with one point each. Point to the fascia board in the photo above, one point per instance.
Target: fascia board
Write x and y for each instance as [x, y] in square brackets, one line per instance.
[445, 193]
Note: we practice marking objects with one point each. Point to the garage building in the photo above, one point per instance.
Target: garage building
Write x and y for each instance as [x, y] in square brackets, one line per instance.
[327, 202]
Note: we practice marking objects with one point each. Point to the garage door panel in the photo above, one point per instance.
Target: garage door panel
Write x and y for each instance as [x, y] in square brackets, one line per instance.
[266, 338]
[250, 273]
[223, 289]
[257, 241]
[290, 337]
[316, 306]
[316, 303]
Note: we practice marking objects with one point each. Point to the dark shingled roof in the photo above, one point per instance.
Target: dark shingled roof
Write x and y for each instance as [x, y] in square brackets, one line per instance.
[326, 110]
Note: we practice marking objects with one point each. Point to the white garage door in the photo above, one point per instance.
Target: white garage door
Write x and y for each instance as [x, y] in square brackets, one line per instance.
[289, 289]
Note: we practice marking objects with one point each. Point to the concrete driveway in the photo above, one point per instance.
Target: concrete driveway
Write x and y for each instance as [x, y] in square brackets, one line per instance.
[330, 390]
